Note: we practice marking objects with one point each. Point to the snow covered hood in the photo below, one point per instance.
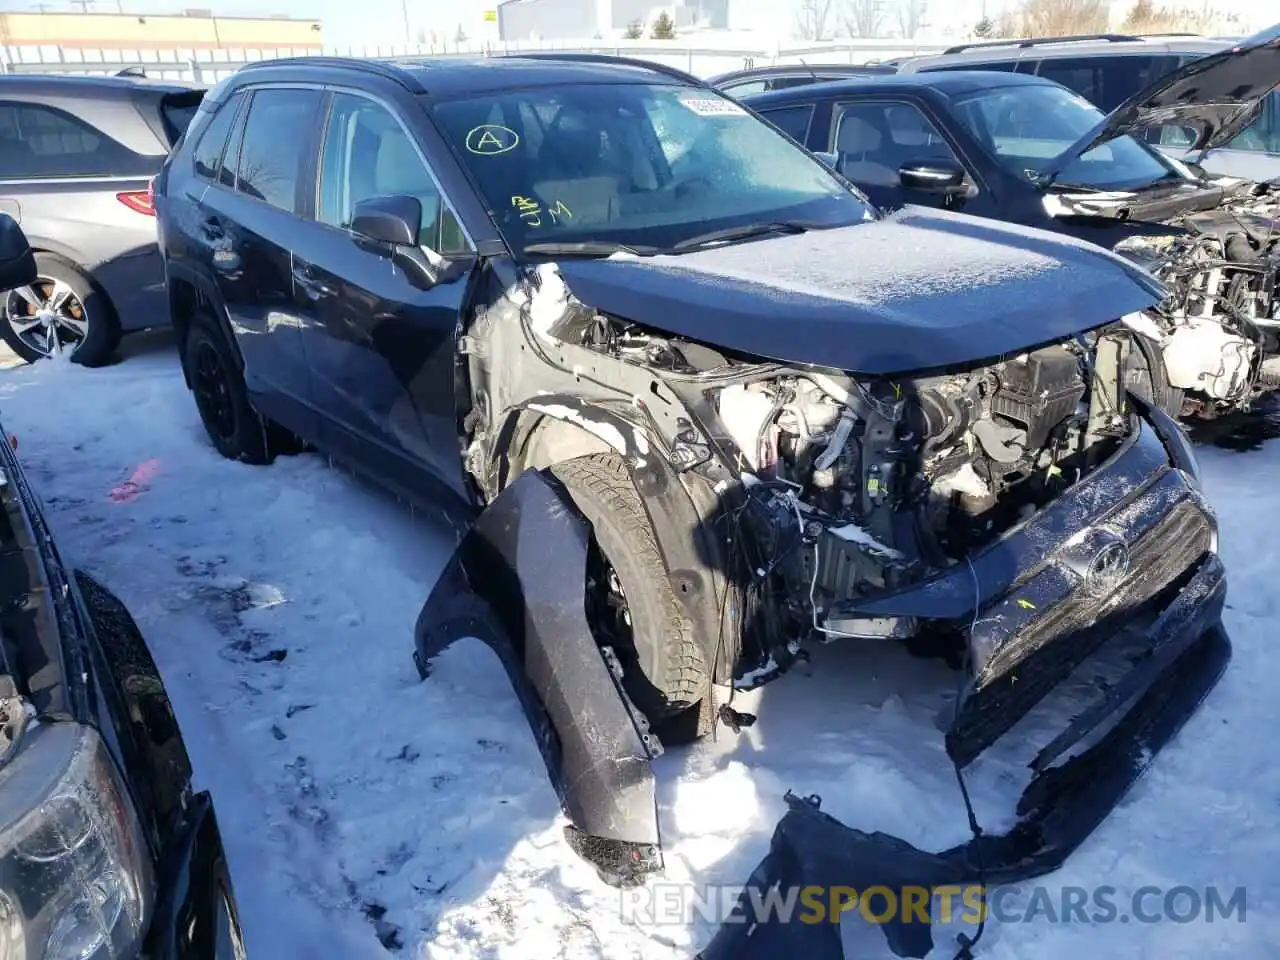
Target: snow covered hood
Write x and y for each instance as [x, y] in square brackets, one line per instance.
[1217, 96]
[915, 290]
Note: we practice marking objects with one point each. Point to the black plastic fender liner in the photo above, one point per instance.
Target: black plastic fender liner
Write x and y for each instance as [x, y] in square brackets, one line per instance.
[813, 849]
[517, 583]
[1057, 812]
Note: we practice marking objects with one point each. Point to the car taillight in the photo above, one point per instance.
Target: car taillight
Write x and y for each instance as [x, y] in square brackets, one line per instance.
[140, 201]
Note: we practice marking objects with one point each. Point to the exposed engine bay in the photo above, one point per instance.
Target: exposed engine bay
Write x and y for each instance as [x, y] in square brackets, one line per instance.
[1222, 316]
[852, 487]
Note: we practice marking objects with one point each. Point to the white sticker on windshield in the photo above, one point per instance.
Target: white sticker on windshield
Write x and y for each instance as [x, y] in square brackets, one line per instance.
[709, 107]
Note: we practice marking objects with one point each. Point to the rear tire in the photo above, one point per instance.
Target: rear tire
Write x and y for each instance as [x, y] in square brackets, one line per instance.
[664, 669]
[80, 315]
[237, 431]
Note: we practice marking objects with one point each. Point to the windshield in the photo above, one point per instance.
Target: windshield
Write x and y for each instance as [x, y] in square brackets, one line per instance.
[1027, 128]
[644, 165]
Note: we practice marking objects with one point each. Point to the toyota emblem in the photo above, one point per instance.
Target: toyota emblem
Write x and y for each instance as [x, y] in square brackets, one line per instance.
[1107, 569]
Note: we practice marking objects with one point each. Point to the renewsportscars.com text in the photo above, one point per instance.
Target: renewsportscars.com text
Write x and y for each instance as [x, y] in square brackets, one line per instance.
[678, 904]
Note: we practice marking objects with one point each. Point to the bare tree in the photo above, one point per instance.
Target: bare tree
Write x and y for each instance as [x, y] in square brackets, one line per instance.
[1061, 18]
[910, 17]
[863, 18]
[1146, 17]
[814, 19]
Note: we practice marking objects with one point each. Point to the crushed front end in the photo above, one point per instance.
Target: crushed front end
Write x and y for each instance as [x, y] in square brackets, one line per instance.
[1023, 518]
[1221, 319]
[1013, 515]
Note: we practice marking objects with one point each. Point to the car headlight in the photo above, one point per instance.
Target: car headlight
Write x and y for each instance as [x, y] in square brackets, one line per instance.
[75, 875]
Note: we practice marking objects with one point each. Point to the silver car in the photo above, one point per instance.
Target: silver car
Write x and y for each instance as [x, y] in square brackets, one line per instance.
[77, 155]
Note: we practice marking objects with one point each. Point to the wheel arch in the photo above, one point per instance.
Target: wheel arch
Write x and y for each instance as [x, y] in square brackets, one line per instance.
[190, 294]
[683, 509]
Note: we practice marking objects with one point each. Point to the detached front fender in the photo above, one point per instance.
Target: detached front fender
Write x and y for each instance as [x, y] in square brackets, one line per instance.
[517, 584]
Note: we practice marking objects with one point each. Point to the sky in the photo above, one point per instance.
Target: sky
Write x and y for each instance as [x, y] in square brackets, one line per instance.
[382, 21]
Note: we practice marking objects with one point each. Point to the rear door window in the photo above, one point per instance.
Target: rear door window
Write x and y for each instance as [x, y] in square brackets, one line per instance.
[40, 142]
[1106, 81]
[280, 121]
[793, 121]
[1264, 134]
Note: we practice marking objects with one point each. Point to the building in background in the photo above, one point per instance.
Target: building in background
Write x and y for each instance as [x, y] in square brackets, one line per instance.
[193, 30]
[602, 19]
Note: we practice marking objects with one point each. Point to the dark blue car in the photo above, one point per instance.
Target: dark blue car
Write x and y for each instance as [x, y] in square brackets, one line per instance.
[1023, 149]
[708, 403]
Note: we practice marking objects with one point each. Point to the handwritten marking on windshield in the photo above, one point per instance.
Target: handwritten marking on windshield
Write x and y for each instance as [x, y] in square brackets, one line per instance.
[531, 211]
[559, 212]
[490, 139]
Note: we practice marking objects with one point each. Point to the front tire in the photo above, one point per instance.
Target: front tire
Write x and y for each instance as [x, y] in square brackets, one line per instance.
[62, 312]
[631, 603]
[237, 431]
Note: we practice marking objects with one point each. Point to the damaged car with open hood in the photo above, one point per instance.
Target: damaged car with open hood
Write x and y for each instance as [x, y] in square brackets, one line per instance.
[1021, 148]
[702, 406]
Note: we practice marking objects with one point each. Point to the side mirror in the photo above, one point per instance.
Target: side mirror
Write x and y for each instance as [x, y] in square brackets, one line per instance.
[830, 159]
[396, 222]
[393, 220]
[17, 262]
[932, 176]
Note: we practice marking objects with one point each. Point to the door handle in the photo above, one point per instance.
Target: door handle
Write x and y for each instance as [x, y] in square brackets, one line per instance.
[304, 275]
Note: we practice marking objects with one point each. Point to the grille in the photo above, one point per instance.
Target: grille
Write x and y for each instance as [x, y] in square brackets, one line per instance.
[1057, 642]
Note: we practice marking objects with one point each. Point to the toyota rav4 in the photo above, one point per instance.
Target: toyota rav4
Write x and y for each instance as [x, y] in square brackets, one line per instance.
[708, 403]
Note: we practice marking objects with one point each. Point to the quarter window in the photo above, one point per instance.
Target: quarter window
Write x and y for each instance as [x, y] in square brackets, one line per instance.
[367, 154]
[42, 142]
[793, 121]
[279, 123]
[208, 151]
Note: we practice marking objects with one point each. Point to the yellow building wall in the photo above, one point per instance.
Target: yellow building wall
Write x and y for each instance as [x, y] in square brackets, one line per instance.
[132, 31]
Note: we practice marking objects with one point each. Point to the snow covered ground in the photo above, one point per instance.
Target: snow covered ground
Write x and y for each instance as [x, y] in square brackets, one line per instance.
[366, 812]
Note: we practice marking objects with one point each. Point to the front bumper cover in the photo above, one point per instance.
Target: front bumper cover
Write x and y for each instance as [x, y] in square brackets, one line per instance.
[1058, 810]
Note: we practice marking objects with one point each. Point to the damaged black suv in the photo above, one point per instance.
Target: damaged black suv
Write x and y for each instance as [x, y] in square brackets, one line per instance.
[709, 404]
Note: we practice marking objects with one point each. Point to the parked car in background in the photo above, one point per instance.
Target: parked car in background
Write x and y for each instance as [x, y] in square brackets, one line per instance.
[1108, 69]
[634, 328]
[108, 852]
[1024, 149]
[76, 158]
[740, 83]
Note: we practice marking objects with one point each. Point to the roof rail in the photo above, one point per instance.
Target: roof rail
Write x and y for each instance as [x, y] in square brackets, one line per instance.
[1038, 41]
[575, 57]
[377, 67]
